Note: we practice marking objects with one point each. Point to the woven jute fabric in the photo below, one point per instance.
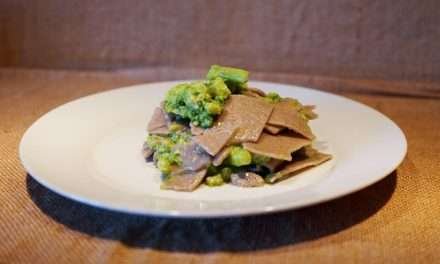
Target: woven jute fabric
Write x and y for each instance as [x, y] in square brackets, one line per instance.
[393, 221]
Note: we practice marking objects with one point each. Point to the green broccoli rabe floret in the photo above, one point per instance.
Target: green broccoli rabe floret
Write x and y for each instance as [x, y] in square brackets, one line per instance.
[236, 79]
[175, 127]
[180, 137]
[164, 152]
[226, 174]
[272, 97]
[212, 170]
[165, 165]
[216, 176]
[159, 143]
[239, 157]
[199, 101]
[215, 180]
[218, 89]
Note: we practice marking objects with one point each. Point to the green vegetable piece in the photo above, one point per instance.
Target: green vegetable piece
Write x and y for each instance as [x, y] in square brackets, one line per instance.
[234, 78]
[214, 108]
[153, 141]
[272, 97]
[174, 127]
[195, 101]
[158, 143]
[239, 157]
[212, 170]
[226, 174]
[215, 180]
[164, 166]
[180, 137]
[164, 152]
[218, 89]
[258, 159]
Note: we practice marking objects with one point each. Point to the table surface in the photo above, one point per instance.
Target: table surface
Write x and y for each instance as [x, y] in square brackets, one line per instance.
[393, 221]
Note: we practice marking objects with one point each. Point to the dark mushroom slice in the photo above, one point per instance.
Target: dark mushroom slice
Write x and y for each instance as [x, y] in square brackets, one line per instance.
[194, 158]
[147, 152]
[184, 181]
[247, 179]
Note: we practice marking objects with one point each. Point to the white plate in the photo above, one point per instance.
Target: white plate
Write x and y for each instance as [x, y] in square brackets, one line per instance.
[90, 150]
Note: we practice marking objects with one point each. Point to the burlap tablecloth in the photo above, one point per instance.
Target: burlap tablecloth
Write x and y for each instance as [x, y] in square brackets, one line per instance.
[394, 221]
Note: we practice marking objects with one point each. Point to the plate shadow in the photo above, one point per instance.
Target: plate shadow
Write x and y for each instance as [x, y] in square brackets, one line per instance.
[210, 235]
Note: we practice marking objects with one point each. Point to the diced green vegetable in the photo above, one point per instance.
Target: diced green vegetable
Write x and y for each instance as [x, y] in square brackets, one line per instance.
[215, 180]
[174, 127]
[180, 137]
[214, 108]
[226, 174]
[239, 157]
[218, 89]
[164, 165]
[272, 97]
[212, 170]
[164, 152]
[236, 79]
[159, 143]
[198, 101]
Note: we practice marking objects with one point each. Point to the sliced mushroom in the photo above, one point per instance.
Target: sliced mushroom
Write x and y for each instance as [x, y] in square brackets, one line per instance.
[147, 152]
[247, 179]
[194, 158]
